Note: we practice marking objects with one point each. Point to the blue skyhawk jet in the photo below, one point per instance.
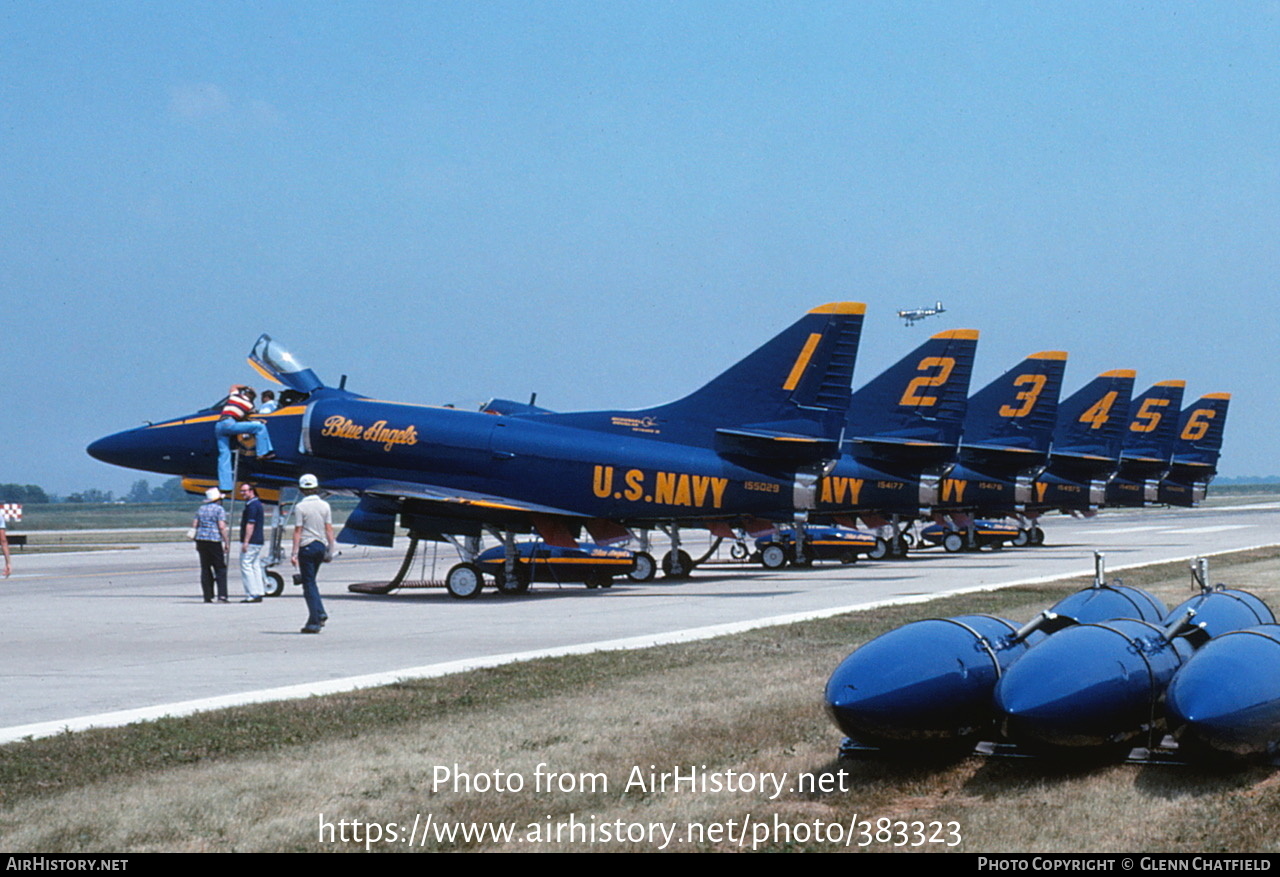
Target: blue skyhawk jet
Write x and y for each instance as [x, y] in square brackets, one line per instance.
[753, 443]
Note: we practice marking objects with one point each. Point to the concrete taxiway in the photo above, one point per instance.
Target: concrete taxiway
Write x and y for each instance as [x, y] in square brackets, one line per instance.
[106, 637]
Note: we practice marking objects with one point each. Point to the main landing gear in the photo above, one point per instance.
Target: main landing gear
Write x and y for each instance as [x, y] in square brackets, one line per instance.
[464, 581]
[676, 563]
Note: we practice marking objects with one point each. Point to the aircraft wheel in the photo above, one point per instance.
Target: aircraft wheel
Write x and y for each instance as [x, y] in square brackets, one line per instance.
[908, 540]
[739, 551]
[881, 551]
[275, 584]
[1022, 539]
[464, 581]
[1037, 536]
[953, 543]
[519, 586]
[680, 559]
[645, 568]
[773, 556]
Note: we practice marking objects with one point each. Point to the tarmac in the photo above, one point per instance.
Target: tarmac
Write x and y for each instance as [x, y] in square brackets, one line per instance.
[103, 638]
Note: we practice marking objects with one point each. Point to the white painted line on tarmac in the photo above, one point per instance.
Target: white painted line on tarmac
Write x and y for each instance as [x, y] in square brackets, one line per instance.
[429, 671]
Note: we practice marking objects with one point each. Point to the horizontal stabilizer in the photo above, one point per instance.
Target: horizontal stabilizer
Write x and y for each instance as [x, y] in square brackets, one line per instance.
[777, 446]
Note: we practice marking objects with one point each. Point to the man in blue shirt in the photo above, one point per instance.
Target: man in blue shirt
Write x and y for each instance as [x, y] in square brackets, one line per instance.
[251, 545]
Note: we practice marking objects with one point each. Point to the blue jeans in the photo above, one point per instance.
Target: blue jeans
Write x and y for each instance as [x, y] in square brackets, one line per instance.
[224, 430]
[310, 556]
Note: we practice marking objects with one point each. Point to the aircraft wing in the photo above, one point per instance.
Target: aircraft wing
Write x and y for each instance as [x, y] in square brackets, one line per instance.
[434, 510]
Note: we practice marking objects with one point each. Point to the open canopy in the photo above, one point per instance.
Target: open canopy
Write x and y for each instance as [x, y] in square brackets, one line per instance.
[279, 365]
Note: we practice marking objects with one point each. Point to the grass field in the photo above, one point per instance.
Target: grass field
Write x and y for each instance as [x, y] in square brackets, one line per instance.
[263, 777]
[125, 516]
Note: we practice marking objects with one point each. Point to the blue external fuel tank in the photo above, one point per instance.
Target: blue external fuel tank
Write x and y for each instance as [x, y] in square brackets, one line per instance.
[1091, 685]
[1105, 602]
[1226, 699]
[933, 680]
[1220, 610]
[929, 680]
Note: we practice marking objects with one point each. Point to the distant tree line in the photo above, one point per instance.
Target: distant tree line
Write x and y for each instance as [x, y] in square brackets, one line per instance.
[24, 493]
[32, 494]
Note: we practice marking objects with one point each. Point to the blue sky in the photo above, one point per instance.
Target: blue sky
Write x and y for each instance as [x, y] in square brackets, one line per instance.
[610, 203]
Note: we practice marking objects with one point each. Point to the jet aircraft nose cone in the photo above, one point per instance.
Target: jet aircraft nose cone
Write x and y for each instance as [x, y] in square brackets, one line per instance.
[115, 449]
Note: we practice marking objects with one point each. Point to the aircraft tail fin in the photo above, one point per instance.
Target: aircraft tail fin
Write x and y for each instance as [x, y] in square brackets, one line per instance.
[786, 400]
[919, 402]
[1153, 423]
[1200, 431]
[1092, 420]
[1017, 411]
[1196, 450]
[806, 367]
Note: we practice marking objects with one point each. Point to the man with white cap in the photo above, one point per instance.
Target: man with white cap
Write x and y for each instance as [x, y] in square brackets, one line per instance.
[313, 544]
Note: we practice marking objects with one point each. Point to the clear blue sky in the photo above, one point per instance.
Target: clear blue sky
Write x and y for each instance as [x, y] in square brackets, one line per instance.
[609, 203]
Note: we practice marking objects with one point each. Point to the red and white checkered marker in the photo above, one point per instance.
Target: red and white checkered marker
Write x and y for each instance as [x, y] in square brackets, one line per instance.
[12, 511]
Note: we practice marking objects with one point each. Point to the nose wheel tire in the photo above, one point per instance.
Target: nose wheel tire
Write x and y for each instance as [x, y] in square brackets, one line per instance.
[275, 584]
[464, 581]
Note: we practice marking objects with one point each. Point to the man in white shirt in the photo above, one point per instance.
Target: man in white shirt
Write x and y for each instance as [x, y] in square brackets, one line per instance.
[313, 544]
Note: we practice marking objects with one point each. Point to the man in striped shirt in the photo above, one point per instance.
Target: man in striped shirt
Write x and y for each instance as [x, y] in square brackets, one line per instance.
[234, 421]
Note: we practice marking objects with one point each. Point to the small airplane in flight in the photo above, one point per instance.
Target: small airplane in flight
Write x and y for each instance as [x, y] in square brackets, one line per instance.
[750, 444]
[915, 315]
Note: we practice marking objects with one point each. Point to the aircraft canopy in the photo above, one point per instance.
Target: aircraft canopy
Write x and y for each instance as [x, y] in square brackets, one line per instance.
[279, 365]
